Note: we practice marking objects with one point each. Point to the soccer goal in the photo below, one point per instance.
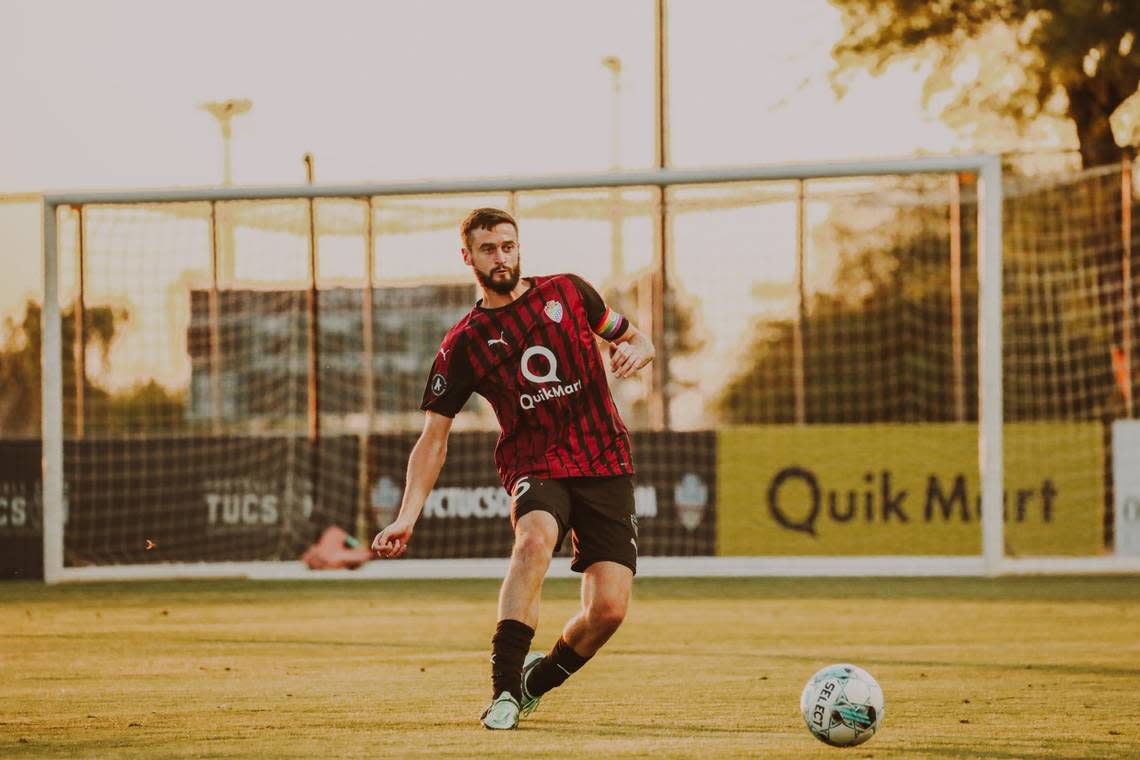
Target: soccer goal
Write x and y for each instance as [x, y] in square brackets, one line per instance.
[852, 379]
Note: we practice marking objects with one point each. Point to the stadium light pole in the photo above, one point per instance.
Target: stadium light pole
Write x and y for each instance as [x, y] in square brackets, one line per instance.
[613, 63]
[1126, 279]
[617, 254]
[314, 340]
[659, 400]
[224, 112]
[313, 308]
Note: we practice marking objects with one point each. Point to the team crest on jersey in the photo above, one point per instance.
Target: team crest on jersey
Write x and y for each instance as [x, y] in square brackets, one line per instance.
[553, 310]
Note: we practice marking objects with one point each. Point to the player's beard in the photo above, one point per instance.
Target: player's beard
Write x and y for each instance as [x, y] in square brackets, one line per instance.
[502, 285]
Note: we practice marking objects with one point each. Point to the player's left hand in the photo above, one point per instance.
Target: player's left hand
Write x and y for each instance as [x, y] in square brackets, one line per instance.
[628, 357]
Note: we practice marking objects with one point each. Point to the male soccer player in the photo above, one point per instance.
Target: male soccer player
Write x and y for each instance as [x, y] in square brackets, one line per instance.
[529, 348]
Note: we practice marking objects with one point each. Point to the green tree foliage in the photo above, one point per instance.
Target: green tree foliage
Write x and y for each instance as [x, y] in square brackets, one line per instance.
[20, 375]
[683, 336]
[1079, 59]
[878, 343]
[147, 406]
[20, 367]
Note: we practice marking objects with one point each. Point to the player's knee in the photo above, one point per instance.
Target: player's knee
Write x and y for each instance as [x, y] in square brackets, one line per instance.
[607, 614]
[533, 543]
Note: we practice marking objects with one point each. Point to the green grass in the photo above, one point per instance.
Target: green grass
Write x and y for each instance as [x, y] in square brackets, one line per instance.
[1010, 668]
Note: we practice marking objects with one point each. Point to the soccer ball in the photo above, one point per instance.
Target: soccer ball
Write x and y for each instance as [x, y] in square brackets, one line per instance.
[842, 705]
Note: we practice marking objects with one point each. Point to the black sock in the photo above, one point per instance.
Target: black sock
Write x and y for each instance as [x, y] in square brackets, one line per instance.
[555, 668]
[508, 650]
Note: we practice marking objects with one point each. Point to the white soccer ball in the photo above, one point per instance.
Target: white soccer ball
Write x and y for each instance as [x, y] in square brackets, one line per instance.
[842, 705]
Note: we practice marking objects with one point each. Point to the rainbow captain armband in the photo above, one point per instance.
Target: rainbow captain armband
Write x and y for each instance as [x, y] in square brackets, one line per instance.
[611, 325]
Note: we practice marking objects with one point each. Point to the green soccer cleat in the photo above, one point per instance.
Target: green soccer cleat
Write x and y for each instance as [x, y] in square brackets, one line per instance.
[529, 703]
[502, 713]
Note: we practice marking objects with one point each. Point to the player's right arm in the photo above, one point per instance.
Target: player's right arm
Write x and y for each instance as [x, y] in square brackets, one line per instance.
[451, 381]
[424, 465]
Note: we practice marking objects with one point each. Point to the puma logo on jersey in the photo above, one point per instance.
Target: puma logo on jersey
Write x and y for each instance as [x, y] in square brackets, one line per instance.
[501, 339]
[443, 353]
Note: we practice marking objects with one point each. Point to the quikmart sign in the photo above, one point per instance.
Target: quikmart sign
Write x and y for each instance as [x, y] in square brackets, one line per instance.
[906, 489]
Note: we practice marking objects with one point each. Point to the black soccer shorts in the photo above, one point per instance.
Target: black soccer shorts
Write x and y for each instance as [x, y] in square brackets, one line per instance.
[597, 512]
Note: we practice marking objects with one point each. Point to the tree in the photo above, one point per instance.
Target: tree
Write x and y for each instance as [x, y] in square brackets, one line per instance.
[147, 405]
[683, 333]
[20, 375]
[20, 365]
[878, 343]
[1079, 59]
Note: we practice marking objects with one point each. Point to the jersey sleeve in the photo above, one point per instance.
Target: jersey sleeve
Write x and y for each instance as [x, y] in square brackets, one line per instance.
[604, 321]
[451, 380]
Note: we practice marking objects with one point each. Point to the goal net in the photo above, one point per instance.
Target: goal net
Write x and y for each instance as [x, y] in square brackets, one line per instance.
[853, 377]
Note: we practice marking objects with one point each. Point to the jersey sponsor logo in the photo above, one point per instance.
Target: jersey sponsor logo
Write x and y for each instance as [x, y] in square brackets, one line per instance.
[551, 375]
[553, 310]
[443, 353]
[438, 384]
[501, 339]
[530, 400]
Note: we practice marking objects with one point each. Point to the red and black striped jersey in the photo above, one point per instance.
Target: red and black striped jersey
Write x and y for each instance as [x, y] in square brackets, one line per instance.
[537, 362]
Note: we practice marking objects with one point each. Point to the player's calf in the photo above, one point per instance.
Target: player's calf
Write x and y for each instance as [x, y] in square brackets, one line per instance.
[552, 671]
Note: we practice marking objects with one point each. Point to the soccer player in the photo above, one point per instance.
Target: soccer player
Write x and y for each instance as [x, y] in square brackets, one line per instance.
[529, 348]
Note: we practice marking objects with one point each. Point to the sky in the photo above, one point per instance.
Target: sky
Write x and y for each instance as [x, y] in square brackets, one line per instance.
[108, 95]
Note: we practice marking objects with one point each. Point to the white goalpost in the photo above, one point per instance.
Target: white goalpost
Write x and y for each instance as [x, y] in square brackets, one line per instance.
[263, 350]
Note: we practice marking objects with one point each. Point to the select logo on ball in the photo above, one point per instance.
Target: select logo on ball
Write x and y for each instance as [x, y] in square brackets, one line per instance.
[842, 705]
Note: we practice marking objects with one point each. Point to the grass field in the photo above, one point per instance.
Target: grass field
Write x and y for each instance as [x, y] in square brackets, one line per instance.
[1010, 668]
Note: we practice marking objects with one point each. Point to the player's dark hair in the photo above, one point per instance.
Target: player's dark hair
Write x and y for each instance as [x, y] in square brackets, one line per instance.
[485, 219]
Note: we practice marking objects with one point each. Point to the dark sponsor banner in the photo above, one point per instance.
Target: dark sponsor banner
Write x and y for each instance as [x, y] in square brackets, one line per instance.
[21, 527]
[467, 514]
[146, 500]
[221, 498]
[681, 470]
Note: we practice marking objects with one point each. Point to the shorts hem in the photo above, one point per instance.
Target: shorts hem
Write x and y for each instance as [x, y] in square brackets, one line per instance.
[580, 566]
